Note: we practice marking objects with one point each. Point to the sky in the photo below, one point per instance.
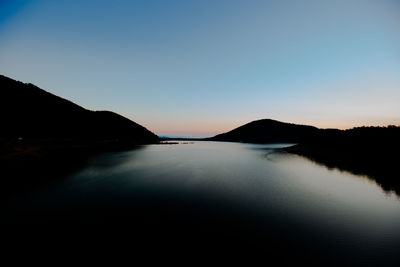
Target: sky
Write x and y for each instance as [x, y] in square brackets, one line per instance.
[201, 67]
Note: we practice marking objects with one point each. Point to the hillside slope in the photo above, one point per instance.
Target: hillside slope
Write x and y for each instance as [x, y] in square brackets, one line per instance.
[44, 137]
[28, 111]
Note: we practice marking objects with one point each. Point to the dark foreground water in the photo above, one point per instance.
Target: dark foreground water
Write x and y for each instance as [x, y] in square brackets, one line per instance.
[224, 195]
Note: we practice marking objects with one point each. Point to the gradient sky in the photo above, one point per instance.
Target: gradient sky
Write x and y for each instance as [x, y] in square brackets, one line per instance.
[197, 68]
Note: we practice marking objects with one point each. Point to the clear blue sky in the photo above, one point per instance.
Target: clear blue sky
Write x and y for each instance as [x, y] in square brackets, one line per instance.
[197, 68]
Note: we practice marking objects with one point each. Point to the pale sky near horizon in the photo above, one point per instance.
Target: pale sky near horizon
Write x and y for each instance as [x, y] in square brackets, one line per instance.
[198, 68]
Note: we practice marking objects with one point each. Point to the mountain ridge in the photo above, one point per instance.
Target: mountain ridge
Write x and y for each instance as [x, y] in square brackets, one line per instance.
[267, 131]
[29, 111]
[45, 137]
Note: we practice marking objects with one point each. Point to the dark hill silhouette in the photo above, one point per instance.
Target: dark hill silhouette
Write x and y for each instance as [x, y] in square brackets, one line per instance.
[28, 111]
[267, 131]
[46, 137]
[370, 151]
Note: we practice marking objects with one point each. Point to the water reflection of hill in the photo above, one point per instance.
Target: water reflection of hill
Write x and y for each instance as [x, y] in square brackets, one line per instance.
[371, 151]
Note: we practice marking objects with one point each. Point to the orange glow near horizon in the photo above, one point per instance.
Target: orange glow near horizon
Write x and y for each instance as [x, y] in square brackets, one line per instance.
[201, 131]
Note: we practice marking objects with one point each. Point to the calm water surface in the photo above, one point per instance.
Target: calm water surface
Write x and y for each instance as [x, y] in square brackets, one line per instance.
[248, 191]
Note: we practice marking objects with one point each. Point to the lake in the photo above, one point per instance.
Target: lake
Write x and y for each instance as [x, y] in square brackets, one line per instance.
[231, 194]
